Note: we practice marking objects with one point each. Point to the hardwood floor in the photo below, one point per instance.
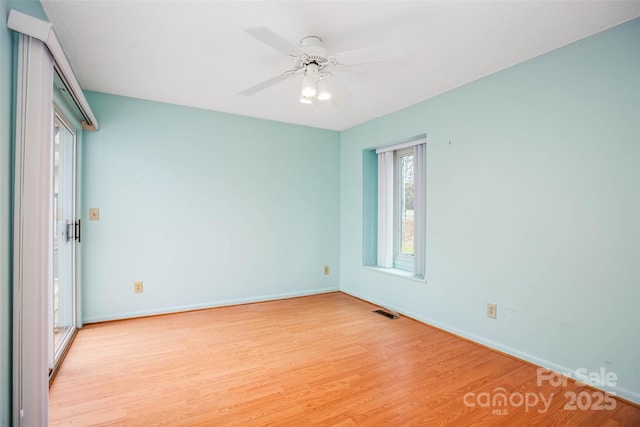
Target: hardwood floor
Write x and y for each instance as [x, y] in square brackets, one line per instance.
[319, 360]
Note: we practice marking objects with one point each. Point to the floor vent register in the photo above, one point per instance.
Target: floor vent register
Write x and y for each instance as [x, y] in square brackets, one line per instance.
[386, 313]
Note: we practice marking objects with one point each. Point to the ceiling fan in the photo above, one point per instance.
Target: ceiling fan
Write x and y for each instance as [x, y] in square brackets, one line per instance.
[313, 61]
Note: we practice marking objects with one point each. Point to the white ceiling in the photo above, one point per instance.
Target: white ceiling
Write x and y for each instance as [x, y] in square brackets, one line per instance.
[196, 53]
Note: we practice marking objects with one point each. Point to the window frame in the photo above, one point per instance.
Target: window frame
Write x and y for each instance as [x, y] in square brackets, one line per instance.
[401, 261]
[377, 208]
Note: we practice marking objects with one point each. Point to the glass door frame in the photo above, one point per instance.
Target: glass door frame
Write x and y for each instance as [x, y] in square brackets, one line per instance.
[57, 353]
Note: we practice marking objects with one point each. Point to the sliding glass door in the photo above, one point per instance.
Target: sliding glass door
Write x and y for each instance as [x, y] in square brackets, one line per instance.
[66, 229]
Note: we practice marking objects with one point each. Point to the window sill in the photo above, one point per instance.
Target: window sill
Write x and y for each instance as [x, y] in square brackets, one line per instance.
[397, 273]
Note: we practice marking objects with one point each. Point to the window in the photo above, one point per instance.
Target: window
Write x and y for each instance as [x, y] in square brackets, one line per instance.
[394, 226]
[403, 218]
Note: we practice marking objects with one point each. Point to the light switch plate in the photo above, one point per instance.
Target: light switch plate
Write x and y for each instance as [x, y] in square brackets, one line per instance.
[94, 214]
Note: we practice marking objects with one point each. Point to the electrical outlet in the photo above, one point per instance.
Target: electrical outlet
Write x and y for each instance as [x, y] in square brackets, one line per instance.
[492, 311]
[137, 287]
[94, 214]
[326, 270]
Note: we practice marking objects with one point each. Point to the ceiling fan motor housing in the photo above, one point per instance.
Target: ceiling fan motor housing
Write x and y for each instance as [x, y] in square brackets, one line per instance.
[314, 51]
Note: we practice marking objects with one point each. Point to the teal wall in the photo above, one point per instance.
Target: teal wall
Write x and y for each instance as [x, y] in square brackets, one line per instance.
[205, 208]
[534, 206]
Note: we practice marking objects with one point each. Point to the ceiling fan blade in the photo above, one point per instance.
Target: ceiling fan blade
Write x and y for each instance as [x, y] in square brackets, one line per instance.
[270, 38]
[340, 95]
[265, 84]
[369, 55]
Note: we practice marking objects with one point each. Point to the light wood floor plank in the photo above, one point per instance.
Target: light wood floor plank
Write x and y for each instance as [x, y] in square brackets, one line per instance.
[319, 360]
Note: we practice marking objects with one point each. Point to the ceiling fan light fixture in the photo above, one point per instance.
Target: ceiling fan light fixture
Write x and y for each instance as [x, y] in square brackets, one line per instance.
[309, 89]
[323, 91]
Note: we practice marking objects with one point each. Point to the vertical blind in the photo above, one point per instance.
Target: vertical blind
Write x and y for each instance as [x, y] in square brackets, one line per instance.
[385, 209]
[33, 245]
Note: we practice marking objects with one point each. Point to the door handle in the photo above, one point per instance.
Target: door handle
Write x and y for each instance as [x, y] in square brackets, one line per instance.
[77, 230]
[67, 231]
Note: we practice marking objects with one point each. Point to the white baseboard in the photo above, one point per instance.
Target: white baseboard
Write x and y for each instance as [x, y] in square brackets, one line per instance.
[557, 368]
[211, 304]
